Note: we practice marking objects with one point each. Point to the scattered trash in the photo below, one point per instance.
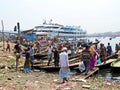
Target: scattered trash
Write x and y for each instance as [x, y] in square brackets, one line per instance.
[86, 86]
[55, 80]
[36, 70]
[9, 79]
[1, 88]
[67, 88]
[36, 82]
[6, 67]
[81, 80]
[108, 83]
[26, 70]
[11, 57]
[18, 76]
[64, 84]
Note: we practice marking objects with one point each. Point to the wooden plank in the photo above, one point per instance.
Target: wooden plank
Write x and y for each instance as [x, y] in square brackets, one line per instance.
[91, 72]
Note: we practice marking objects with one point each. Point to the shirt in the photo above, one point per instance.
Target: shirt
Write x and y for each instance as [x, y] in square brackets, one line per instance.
[49, 50]
[85, 55]
[64, 59]
[18, 49]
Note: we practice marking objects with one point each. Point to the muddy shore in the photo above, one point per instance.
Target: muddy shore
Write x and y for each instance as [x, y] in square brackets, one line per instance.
[39, 80]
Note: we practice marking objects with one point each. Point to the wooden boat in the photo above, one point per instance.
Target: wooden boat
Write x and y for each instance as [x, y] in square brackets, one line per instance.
[108, 60]
[106, 64]
[115, 65]
[43, 65]
[53, 68]
[40, 56]
[44, 56]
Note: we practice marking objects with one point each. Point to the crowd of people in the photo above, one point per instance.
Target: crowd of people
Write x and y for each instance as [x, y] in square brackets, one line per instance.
[91, 52]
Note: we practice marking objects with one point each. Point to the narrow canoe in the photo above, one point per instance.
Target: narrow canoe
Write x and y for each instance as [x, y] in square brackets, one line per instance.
[115, 66]
[106, 64]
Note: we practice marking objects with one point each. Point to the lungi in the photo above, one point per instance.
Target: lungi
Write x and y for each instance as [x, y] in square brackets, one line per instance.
[64, 72]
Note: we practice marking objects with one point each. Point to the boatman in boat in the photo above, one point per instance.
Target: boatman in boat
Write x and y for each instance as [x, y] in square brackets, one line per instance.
[64, 65]
[86, 59]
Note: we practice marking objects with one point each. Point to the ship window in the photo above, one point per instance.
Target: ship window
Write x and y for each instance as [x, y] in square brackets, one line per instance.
[51, 27]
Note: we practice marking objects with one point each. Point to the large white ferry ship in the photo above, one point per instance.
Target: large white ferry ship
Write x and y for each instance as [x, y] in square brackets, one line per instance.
[63, 32]
[51, 30]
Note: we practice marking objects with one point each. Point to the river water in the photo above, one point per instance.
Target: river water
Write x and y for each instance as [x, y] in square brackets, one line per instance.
[107, 73]
[105, 41]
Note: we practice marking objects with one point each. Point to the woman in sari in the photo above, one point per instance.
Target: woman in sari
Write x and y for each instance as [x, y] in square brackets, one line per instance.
[93, 58]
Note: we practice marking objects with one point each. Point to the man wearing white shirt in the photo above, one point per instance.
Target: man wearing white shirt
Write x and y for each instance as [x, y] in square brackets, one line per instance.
[64, 65]
[49, 49]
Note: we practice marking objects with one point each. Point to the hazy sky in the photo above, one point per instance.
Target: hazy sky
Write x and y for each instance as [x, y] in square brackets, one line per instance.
[92, 15]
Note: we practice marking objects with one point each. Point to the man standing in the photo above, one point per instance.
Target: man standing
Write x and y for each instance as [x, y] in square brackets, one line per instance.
[8, 46]
[86, 59]
[103, 52]
[32, 55]
[109, 49]
[56, 57]
[18, 51]
[38, 47]
[49, 49]
[64, 65]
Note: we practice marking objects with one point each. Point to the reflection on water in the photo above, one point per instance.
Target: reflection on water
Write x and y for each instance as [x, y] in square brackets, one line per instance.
[107, 74]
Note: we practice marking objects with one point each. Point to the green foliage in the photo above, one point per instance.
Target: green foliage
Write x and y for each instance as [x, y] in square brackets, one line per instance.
[11, 60]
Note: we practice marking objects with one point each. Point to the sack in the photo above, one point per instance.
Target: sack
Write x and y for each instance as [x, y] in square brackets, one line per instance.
[81, 66]
[99, 61]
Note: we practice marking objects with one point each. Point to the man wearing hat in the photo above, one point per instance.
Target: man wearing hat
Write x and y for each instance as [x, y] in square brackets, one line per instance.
[64, 65]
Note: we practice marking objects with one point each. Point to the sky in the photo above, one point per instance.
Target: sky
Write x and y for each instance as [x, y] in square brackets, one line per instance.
[94, 16]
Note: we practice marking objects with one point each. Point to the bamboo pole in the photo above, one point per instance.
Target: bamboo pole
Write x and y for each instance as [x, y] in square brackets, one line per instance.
[18, 26]
[3, 39]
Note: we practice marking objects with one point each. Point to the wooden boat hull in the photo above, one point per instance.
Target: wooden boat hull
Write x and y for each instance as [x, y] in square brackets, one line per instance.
[73, 61]
[106, 64]
[53, 68]
[109, 60]
[40, 56]
[115, 66]
[44, 56]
